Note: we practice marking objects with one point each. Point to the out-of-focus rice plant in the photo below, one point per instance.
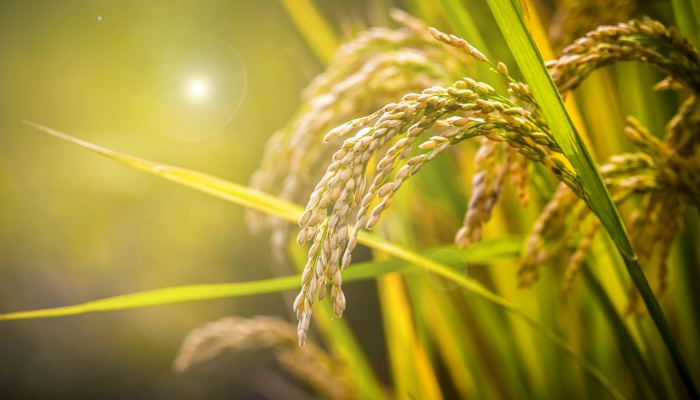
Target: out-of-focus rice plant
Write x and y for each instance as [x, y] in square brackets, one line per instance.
[530, 172]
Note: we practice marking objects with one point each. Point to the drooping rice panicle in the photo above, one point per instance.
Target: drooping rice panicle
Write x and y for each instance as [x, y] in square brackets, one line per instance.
[519, 174]
[452, 114]
[665, 231]
[579, 255]
[311, 364]
[683, 131]
[572, 20]
[487, 184]
[664, 180]
[378, 67]
[550, 223]
[646, 41]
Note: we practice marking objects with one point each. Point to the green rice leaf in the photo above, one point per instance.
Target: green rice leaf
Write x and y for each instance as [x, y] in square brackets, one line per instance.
[629, 348]
[168, 295]
[481, 253]
[212, 185]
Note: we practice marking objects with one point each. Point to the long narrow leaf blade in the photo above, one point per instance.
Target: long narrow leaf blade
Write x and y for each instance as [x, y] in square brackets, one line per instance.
[212, 185]
[483, 252]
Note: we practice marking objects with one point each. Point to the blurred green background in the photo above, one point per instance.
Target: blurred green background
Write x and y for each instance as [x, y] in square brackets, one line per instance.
[199, 84]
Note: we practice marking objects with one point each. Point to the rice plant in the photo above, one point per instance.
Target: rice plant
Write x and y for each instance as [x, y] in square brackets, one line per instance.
[522, 244]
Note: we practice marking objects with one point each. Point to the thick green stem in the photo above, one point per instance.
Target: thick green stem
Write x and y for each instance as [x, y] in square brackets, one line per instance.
[657, 315]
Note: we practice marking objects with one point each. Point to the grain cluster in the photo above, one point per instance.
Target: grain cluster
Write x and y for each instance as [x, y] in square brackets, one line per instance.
[378, 147]
[310, 364]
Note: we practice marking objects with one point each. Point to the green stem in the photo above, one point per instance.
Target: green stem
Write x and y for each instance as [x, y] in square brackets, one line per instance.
[657, 315]
[630, 350]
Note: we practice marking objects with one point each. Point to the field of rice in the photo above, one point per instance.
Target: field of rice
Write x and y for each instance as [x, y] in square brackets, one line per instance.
[390, 199]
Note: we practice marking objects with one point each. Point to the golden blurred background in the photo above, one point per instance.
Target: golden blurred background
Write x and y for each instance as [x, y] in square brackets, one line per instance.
[200, 84]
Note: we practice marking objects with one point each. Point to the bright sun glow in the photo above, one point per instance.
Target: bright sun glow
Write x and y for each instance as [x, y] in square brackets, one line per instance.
[197, 89]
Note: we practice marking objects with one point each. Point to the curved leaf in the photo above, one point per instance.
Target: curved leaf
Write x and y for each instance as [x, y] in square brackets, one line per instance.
[482, 252]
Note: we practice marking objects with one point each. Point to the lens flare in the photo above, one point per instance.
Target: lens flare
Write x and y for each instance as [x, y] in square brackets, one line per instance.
[198, 89]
